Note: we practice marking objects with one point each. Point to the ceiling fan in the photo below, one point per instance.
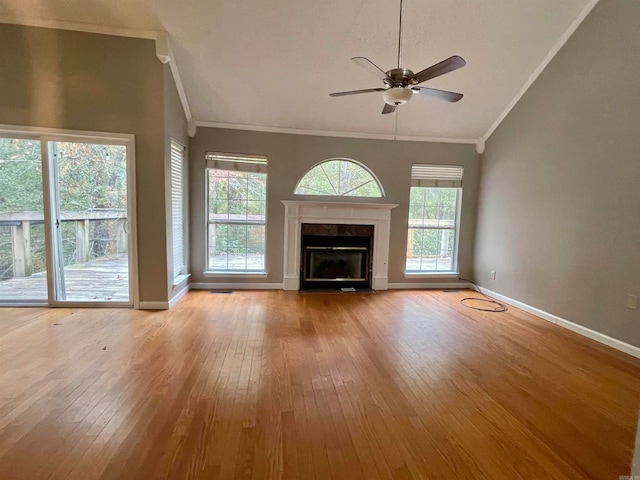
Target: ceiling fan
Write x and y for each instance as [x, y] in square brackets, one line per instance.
[400, 84]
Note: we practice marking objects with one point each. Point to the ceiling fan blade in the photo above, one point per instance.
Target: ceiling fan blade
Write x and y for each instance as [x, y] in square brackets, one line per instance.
[445, 95]
[388, 109]
[445, 66]
[372, 67]
[355, 92]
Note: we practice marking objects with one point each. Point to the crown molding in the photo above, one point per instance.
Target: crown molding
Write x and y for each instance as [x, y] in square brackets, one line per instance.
[329, 133]
[418, 138]
[545, 61]
[192, 127]
[164, 52]
[80, 27]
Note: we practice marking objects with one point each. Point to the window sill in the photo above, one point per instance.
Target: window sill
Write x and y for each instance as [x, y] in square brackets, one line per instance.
[431, 275]
[180, 279]
[236, 274]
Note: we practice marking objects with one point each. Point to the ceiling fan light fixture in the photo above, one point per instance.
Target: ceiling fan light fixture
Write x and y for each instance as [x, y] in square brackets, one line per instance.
[397, 96]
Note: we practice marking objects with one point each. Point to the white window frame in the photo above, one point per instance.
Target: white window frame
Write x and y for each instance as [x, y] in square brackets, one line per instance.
[45, 135]
[235, 162]
[178, 165]
[344, 194]
[438, 176]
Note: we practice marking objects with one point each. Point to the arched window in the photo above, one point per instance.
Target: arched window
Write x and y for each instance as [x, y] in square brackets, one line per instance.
[339, 177]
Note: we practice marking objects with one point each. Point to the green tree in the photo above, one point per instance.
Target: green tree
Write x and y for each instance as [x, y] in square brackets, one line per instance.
[339, 178]
[20, 176]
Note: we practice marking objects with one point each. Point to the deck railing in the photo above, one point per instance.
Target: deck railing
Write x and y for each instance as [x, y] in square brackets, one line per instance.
[21, 223]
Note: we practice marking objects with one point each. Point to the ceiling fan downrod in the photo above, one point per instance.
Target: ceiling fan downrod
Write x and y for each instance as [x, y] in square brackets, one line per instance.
[400, 35]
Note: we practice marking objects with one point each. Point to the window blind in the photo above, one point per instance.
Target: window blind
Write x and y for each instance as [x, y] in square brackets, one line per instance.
[177, 207]
[443, 176]
[241, 163]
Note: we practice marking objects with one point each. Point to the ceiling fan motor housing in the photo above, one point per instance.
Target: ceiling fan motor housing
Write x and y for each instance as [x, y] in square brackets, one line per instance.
[397, 77]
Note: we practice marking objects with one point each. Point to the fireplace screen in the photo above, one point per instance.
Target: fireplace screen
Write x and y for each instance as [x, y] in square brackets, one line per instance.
[335, 255]
[336, 263]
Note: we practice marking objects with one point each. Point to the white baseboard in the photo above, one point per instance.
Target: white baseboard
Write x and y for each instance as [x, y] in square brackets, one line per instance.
[635, 465]
[154, 305]
[574, 327]
[291, 283]
[432, 285]
[179, 295]
[236, 286]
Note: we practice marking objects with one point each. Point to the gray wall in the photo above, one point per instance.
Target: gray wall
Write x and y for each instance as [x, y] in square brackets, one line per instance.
[176, 128]
[82, 81]
[290, 156]
[559, 204]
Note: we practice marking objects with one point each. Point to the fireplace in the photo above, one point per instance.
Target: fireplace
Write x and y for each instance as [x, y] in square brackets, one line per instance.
[317, 212]
[336, 255]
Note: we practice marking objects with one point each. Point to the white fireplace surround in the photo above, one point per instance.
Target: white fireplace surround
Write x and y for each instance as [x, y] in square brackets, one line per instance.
[299, 212]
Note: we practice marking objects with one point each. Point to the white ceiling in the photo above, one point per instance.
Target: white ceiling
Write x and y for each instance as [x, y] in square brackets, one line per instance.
[272, 63]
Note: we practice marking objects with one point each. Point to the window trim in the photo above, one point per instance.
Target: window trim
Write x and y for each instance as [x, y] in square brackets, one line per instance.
[344, 159]
[262, 168]
[46, 134]
[222, 274]
[454, 273]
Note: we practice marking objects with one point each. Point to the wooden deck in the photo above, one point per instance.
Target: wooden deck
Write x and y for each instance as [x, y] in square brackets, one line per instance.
[102, 279]
[279, 385]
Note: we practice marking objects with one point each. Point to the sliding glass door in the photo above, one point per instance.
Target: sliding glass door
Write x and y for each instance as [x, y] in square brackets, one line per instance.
[23, 266]
[65, 219]
[89, 215]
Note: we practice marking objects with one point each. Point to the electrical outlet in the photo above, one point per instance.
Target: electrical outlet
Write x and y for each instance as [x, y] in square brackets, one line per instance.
[493, 274]
[632, 301]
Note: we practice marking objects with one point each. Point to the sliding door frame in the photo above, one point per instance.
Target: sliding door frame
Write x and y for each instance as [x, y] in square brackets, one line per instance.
[22, 134]
[46, 135]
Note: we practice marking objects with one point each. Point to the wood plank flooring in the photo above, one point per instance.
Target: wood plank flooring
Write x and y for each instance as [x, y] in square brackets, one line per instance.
[273, 384]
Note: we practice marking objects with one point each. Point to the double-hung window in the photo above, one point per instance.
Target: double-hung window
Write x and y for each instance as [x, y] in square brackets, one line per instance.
[434, 219]
[236, 212]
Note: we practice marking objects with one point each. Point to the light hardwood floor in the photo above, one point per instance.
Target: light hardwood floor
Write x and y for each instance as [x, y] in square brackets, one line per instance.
[273, 384]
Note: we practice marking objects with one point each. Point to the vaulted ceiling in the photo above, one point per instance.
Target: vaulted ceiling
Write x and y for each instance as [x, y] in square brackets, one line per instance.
[272, 63]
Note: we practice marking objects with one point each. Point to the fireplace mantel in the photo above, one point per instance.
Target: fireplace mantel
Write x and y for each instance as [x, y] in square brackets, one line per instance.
[298, 212]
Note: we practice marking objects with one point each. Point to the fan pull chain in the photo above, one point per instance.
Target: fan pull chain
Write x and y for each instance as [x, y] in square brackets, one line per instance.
[395, 135]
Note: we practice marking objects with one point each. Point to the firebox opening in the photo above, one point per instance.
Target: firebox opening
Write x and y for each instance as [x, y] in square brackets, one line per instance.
[335, 256]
